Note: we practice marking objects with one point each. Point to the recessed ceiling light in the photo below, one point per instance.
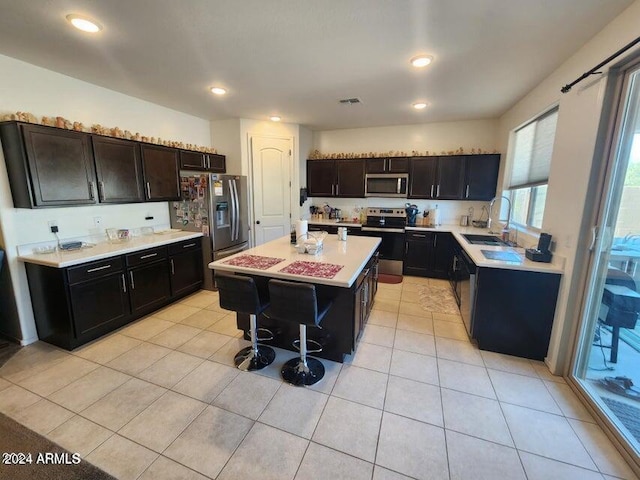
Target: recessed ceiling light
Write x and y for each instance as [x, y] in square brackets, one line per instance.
[275, 118]
[218, 90]
[83, 23]
[420, 105]
[420, 61]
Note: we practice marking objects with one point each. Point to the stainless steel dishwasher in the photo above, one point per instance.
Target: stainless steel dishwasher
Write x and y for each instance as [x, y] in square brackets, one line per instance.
[465, 287]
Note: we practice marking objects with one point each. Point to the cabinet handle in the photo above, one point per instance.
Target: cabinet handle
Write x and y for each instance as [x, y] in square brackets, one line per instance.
[337, 189]
[418, 235]
[431, 191]
[189, 245]
[124, 283]
[148, 190]
[435, 240]
[104, 267]
[133, 284]
[173, 268]
[101, 190]
[438, 191]
[91, 196]
[466, 193]
[406, 247]
[149, 256]
[332, 187]
[455, 264]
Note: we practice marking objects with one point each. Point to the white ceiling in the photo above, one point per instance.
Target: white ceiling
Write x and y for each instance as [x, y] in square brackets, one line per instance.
[297, 58]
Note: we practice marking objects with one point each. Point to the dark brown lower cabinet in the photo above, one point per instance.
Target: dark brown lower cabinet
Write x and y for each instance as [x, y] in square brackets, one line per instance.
[186, 268]
[96, 304]
[75, 305]
[149, 286]
[428, 254]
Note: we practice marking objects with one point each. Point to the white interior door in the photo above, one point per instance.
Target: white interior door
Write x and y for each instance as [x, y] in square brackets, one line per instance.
[271, 178]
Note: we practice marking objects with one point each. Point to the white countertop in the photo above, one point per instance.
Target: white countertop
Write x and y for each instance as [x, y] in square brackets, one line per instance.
[62, 259]
[337, 223]
[475, 251]
[352, 255]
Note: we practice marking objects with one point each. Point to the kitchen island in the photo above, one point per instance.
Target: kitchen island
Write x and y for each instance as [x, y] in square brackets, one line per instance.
[344, 272]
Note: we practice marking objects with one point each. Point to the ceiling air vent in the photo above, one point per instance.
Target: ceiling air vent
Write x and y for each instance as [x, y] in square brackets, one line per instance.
[350, 101]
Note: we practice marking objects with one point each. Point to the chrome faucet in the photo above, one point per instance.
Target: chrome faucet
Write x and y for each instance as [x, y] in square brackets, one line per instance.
[493, 201]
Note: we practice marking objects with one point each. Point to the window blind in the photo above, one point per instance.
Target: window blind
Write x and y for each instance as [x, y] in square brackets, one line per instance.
[533, 148]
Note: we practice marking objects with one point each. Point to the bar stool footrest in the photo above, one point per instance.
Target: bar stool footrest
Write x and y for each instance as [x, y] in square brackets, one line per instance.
[268, 337]
[295, 372]
[317, 345]
[247, 360]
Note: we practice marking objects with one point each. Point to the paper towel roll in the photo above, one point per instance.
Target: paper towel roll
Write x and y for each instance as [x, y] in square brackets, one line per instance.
[302, 227]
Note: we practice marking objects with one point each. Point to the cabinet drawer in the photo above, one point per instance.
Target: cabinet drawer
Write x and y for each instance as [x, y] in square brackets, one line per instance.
[87, 271]
[185, 245]
[420, 236]
[146, 256]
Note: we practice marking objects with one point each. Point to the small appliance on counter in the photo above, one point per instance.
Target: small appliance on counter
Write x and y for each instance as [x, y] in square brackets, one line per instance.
[412, 213]
[542, 253]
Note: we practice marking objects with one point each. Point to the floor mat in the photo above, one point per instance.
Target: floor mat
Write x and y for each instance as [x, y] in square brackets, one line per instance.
[628, 415]
[389, 278]
[440, 299]
[15, 437]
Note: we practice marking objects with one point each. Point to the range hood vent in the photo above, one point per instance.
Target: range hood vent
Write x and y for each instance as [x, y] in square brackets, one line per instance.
[350, 101]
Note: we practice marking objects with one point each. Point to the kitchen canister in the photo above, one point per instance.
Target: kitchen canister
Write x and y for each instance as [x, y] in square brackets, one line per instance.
[342, 233]
[302, 227]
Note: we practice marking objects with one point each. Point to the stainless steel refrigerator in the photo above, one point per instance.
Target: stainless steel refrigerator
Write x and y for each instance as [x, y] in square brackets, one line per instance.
[215, 205]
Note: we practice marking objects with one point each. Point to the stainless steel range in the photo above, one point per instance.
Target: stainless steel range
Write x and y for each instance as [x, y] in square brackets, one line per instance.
[388, 224]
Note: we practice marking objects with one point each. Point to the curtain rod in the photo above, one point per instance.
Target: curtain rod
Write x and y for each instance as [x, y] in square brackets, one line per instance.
[594, 70]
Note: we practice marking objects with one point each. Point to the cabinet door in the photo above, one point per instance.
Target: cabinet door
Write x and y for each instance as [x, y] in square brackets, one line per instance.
[100, 302]
[398, 165]
[481, 177]
[149, 286]
[376, 165]
[443, 256]
[422, 177]
[61, 166]
[350, 178]
[186, 272]
[450, 178]
[321, 178]
[419, 255]
[216, 163]
[160, 172]
[192, 160]
[118, 169]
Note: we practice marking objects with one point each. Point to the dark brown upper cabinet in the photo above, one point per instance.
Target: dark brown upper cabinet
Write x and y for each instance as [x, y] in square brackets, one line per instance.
[48, 167]
[423, 177]
[450, 178]
[336, 178]
[209, 162]
[481, 176]
[387, 165]
[118, 170]
[161, 176]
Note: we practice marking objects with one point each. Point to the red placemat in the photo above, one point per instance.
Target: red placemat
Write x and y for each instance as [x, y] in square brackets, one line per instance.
[254, 261]
[312, 269]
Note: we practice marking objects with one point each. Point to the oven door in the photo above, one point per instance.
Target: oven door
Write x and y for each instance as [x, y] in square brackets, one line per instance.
[391, 248]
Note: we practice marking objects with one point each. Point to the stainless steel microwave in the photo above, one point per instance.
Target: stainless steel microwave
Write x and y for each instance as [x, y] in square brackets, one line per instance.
[386, 185]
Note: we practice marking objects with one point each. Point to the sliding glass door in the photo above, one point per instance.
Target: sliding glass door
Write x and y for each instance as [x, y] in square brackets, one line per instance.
[606, 365]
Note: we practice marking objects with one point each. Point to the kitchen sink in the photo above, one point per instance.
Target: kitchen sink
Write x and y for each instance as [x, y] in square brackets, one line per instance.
[484, 240]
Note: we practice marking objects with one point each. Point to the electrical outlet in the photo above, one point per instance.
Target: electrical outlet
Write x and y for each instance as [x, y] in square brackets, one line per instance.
[97, 221]
[53, 226]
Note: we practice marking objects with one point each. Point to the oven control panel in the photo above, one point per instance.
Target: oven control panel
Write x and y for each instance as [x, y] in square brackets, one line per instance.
[386, 212]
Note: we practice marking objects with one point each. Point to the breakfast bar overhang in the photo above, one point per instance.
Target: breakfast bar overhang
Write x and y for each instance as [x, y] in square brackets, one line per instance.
[346, 272]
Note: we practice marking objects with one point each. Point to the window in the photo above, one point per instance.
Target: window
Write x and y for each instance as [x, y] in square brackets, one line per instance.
[533, 147]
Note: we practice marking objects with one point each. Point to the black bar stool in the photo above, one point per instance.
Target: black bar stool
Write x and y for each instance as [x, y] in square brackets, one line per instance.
[297, 303]
[239, 293]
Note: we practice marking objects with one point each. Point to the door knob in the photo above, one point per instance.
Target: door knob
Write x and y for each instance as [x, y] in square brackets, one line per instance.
[257, 222]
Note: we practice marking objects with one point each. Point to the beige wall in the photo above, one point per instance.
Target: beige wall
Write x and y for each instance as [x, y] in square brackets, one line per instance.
[573, 158]
[25, 87]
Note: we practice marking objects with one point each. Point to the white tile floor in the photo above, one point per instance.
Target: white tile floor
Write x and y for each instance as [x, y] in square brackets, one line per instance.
[160, 399]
